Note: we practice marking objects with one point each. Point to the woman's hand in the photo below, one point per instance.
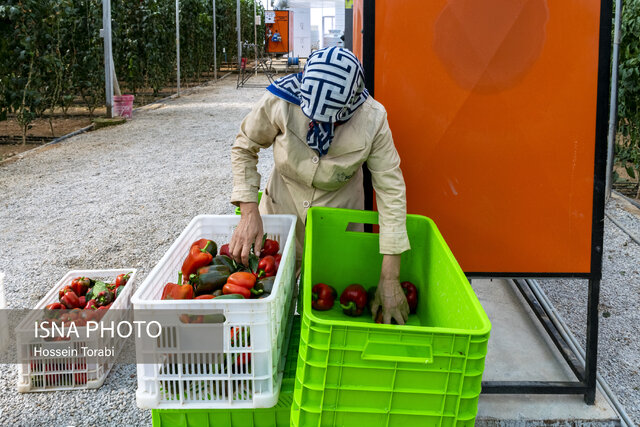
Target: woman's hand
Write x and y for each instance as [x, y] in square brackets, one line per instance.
[249, 231]
[390, 295]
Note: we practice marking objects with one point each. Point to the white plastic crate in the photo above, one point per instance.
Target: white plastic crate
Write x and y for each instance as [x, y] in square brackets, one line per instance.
[39, 373]
[199, 365]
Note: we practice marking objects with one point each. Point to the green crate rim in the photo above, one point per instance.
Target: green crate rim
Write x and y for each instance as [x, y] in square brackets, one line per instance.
[371, 217]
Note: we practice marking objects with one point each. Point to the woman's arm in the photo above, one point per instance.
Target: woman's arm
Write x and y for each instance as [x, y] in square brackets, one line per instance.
[257, 131]
[384, 164]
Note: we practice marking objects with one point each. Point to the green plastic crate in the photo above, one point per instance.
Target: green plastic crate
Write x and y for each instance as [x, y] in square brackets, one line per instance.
[259, 198]
[353, 372]
[278, 416]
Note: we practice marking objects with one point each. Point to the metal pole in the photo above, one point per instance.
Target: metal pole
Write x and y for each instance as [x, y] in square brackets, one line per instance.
[239, 36]
[613, 103]
[116, 85]
[178, 45]
[108, 54]
[591, 349]
[215, 45]
[255, 33]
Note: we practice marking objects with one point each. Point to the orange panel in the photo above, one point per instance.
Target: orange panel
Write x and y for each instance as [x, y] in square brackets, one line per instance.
[284, 26]
[492, 105]
[357, 28]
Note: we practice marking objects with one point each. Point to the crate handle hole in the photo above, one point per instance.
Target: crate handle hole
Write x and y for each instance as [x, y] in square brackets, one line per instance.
[215, 318]
[359, 227]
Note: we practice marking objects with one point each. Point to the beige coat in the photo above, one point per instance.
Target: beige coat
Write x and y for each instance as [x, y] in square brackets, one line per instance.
[301, 179]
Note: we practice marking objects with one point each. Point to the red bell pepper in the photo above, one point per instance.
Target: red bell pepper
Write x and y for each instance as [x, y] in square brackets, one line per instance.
[198, 257]
[80, 285]
[177, 290]
[55, 306]
[411, 292]
[104, 298]
[122, 280]
[230, 289]
[224, 250]
[323, 296]
[269, 247]
[105, 307]
[266, 267]
[243, 279]
[353, 300]
[209, 245]
[91, 305]
[277, 258]
[70, 300]
[206, 296]
[243, 358]
[82, 301]
[64, 290]
[51, 310]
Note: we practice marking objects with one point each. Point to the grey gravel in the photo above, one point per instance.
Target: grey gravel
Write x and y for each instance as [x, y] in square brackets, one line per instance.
[619, 309]
[118, 197]
[111, 198]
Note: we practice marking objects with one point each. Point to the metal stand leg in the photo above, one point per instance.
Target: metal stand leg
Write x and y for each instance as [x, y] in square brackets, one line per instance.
[591, 352]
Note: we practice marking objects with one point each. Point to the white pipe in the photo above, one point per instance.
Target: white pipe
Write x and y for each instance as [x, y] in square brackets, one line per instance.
[108, 54]
[215, 45]
[178, 45]
[116, 86]
[613, 103]
[255, 34]
[239, 36]
[573, 344]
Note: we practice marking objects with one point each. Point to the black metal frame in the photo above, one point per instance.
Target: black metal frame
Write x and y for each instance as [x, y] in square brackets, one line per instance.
[585, 373]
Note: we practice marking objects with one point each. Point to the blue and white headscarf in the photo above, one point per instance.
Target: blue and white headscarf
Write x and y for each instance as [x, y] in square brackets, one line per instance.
[329, 90]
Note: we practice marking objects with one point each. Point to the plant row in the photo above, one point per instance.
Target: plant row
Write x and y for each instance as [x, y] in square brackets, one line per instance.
[52, 55]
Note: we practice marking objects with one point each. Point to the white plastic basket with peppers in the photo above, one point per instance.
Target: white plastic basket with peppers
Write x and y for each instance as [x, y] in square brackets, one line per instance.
[207, 274]
[61, 317]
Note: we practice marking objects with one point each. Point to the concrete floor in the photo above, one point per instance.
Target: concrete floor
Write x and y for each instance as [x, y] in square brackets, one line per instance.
[519, 349]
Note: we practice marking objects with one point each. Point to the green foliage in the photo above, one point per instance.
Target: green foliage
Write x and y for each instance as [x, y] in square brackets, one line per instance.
[144, 39]
[628, 141]
[51, 53]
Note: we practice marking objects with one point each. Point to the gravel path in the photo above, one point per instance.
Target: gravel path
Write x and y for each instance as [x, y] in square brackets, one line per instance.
[115, 197]
[118, 197]
[619, 310]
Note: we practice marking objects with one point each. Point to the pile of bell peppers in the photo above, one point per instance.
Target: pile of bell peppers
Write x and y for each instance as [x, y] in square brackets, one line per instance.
[208, 274]
[84, 293]
[354, 299]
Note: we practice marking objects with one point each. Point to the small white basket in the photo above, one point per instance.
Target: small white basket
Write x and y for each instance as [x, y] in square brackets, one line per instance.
[75, 372]
[199, 365]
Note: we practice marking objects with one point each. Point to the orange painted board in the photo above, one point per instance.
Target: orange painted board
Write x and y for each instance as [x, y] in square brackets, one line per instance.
[357, 28]
[284, 25]
[492, 105]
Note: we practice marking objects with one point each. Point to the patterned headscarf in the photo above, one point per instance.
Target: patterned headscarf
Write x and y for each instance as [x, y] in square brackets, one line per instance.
[329, 90]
